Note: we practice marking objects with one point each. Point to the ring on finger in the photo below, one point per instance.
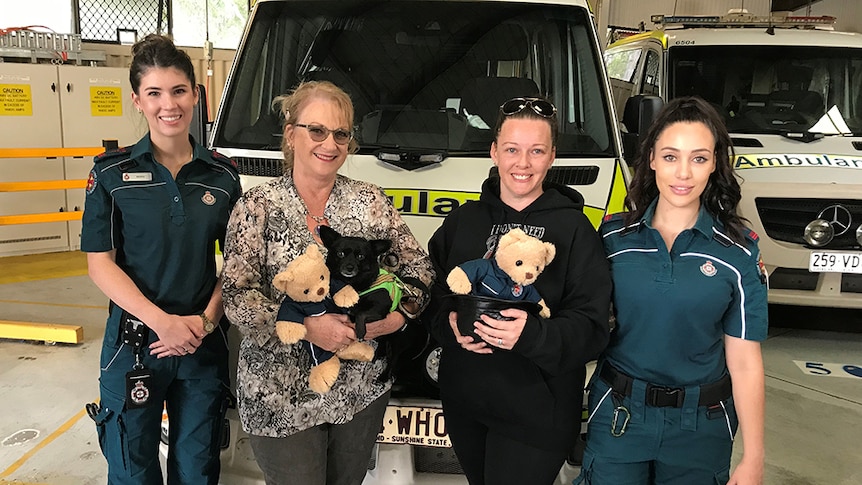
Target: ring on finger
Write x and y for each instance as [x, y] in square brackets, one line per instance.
[499, 342]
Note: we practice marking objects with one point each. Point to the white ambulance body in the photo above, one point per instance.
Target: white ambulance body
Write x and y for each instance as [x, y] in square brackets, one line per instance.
[790, 92]
[427, 79]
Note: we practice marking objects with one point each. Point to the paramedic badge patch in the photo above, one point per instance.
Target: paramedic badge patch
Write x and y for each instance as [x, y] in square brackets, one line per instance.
[708, 269]
[208, 198]
[761, 268]
[91, 181]
[139, 394]
[517, 290]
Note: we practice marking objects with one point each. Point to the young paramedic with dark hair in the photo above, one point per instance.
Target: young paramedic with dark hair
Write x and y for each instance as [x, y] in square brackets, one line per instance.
[513, 400]
[153, 214]
[683, 367]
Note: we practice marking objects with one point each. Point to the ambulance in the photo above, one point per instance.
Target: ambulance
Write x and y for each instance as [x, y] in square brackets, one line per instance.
[427, 79]
[790, 91]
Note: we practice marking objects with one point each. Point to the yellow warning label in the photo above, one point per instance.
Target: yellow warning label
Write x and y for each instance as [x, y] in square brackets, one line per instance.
[434, 203]
[768, 160]
[16, 100]
[106, 101]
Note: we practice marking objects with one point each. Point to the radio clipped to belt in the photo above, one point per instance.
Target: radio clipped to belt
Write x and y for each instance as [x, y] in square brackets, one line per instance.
[138, 380]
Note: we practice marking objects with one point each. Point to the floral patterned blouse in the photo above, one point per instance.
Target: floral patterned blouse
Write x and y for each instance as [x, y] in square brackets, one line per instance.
[267, 229]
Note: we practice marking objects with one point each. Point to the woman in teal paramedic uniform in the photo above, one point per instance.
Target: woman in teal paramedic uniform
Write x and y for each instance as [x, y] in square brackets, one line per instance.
[683, 368]
[153, 214]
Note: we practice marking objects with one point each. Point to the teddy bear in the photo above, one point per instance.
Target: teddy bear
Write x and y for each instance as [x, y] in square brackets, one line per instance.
[307, 285]
[517, 262]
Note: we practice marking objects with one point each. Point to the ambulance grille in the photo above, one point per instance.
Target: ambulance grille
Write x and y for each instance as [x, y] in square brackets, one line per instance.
[428, 459]
[565, 175]
[851, 283]
[793, 279]
[261, 167]
[573, 175]
[802, 279]
[784, 219]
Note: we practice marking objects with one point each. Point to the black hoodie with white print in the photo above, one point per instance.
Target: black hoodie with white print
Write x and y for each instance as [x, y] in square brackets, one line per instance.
[533, 392]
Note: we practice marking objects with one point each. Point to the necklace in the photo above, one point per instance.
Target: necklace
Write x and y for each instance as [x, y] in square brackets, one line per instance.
[317, 219]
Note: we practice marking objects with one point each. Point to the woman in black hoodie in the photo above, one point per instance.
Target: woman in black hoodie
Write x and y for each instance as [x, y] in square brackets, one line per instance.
[513, 400]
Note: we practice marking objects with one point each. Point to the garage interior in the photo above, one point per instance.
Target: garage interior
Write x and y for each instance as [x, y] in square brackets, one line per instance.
[52, 316]
[813, 391]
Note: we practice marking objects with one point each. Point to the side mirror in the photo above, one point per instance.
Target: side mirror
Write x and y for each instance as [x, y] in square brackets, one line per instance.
[639, 114]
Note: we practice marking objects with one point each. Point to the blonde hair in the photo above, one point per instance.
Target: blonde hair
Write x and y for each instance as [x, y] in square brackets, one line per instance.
[290, 106]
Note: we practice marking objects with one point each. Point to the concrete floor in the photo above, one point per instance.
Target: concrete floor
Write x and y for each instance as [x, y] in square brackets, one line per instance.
[811, 429]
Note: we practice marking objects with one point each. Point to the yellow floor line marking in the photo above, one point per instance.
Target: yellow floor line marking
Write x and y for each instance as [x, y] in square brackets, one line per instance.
[35, 267]
[69, 305]
[45, 442]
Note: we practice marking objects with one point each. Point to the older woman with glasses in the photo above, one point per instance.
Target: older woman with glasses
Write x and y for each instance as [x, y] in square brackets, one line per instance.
[513, 399]
[296, 434]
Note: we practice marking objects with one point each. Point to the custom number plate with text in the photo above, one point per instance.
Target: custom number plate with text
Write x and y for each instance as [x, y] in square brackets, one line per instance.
[423, 426]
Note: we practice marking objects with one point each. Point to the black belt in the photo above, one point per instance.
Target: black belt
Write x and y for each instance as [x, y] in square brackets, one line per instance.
[661, 396]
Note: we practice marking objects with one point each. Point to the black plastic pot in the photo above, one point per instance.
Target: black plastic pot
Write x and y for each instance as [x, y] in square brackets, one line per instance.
[470, 307]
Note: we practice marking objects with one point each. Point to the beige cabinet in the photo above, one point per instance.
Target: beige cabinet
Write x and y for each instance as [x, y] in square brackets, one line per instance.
[48, 106]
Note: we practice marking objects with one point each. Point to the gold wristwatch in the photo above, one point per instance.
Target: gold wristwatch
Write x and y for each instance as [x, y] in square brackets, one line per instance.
[209, 325]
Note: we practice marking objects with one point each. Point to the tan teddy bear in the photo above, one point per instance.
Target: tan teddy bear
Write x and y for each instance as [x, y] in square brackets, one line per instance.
[307, 285]
[518, 261]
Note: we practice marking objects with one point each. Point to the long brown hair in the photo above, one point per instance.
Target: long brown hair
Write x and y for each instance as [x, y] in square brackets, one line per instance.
[722, 193]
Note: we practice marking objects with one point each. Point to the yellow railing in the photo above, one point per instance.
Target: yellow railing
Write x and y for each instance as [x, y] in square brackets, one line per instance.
[48, 332]
[44, 184]
[50, 152]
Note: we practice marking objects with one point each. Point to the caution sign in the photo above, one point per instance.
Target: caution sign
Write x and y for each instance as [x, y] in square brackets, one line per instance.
[106, 101]
[16, 100]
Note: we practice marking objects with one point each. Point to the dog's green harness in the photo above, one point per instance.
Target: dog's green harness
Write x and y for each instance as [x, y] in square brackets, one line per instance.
[389, 282]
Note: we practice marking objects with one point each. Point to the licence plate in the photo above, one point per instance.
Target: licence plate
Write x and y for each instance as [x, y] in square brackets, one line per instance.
[835, 262]
[414, 425]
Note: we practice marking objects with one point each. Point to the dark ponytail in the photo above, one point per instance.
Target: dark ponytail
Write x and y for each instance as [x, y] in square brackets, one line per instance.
[158, 51]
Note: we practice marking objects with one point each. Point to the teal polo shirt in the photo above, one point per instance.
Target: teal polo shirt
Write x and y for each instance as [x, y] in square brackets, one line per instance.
[673, 308]
[164, 230]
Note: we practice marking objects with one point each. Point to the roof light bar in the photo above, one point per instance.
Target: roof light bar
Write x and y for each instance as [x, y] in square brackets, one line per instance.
[741, 20]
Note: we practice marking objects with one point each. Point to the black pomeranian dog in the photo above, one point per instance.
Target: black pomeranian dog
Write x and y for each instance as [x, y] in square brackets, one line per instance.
[356, 262]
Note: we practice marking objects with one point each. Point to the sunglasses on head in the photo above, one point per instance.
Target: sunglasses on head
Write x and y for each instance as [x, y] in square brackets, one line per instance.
[539, 106]
[319, 133]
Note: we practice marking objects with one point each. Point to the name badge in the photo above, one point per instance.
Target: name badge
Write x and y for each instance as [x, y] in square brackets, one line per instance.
[137, 177]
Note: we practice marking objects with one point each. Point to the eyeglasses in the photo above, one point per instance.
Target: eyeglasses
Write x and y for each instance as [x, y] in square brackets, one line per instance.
[319, 133]
[539, 106]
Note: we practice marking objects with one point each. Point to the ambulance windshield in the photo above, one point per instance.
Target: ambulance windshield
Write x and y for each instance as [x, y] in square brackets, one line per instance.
[774, 89]
[422, 75]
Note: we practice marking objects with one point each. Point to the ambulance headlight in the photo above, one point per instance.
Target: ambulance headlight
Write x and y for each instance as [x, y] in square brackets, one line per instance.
[819, 233]
[432, 364]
